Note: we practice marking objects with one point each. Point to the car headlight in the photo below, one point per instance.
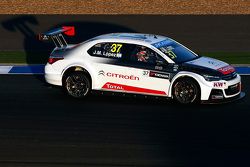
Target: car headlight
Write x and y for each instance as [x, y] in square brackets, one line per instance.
[211, 77]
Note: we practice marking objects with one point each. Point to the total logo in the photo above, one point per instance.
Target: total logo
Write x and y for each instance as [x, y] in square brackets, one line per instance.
[219, 84]
[113, 86]
[115, 75]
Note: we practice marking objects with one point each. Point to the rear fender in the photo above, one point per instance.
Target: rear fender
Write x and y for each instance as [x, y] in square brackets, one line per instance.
[86, 67]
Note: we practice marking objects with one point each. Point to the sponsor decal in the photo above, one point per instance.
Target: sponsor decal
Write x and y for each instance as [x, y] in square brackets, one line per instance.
[114, 86]
[175, 67]
[159, 75]
[115, 48]
[134, 36]
[208, 62]
[169, 50]
[226, 70]
[161, 43]
[115, 75]
[145, 73]
[43, 37]
[129, 77]
[214, 62]
[219, 84]
[107, 54]
[101, 73]
[158, 67]
[216, 97]
[211, 62]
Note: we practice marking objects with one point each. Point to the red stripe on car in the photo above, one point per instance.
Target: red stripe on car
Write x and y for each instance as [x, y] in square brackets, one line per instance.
[114, 86]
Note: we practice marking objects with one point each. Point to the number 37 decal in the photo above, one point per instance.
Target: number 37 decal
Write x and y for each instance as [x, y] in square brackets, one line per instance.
[115, 48]
[145, 73]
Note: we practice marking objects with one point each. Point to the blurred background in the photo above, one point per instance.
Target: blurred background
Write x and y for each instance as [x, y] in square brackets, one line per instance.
[218, 28]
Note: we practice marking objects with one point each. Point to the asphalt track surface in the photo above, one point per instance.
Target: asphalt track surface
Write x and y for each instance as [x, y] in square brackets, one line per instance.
[40, 126]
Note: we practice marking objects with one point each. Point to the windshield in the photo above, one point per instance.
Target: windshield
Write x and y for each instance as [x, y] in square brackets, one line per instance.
[177, 52]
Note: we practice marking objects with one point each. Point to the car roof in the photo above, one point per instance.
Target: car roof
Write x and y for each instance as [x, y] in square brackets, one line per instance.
[148, 39]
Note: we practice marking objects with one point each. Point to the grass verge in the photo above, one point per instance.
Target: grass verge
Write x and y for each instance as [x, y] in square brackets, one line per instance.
[21, 57]
[231, 58]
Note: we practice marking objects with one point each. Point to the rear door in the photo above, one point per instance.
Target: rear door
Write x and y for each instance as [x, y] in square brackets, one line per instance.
[111, 71]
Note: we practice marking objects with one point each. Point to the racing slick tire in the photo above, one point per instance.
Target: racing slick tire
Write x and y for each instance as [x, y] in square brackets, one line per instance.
[77, 84]
[186, 91]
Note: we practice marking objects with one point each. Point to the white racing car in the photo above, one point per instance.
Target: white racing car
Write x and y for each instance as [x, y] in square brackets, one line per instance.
[139, 64]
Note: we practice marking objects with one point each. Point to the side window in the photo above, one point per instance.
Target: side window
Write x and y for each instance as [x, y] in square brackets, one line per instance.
[109, 50]
[144, 55]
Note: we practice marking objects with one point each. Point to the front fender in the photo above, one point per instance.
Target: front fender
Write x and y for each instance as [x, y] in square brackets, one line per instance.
[204, 87]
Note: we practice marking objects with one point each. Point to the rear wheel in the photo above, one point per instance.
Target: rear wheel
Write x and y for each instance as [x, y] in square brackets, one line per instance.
[77, 84]
[186, 91]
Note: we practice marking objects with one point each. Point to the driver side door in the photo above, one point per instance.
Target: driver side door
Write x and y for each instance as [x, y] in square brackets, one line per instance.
[153, 71]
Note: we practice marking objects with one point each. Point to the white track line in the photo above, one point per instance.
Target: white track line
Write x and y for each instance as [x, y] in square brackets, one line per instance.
[5, 69]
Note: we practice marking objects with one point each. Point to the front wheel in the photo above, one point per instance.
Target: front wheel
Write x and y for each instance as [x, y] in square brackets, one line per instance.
[186, 91]
[77, 85]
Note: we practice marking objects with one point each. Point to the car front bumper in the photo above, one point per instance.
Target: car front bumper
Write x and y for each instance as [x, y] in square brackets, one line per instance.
[219, 90]
[224, 100]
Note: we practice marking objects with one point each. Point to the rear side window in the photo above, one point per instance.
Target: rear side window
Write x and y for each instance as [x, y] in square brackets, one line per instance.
[109, 50]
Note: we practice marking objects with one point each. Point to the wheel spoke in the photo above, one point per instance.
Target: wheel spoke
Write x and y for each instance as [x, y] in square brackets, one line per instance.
[185, 91]
[76, 85]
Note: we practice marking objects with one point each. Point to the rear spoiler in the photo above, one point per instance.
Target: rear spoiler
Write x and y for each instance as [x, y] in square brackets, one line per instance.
[56, 35]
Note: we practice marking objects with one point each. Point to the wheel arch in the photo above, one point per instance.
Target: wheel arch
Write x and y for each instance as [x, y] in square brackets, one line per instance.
[74, 68]
[181, 76]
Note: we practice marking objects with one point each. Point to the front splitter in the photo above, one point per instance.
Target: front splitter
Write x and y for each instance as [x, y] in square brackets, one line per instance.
[222, 101]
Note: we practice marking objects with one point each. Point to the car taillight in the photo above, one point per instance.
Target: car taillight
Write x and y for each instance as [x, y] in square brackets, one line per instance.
[54, 59]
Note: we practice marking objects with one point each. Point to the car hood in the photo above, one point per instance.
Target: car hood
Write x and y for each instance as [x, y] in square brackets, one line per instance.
[209, 65]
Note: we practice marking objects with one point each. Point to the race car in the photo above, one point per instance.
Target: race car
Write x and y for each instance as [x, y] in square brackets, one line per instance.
[138, 63]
